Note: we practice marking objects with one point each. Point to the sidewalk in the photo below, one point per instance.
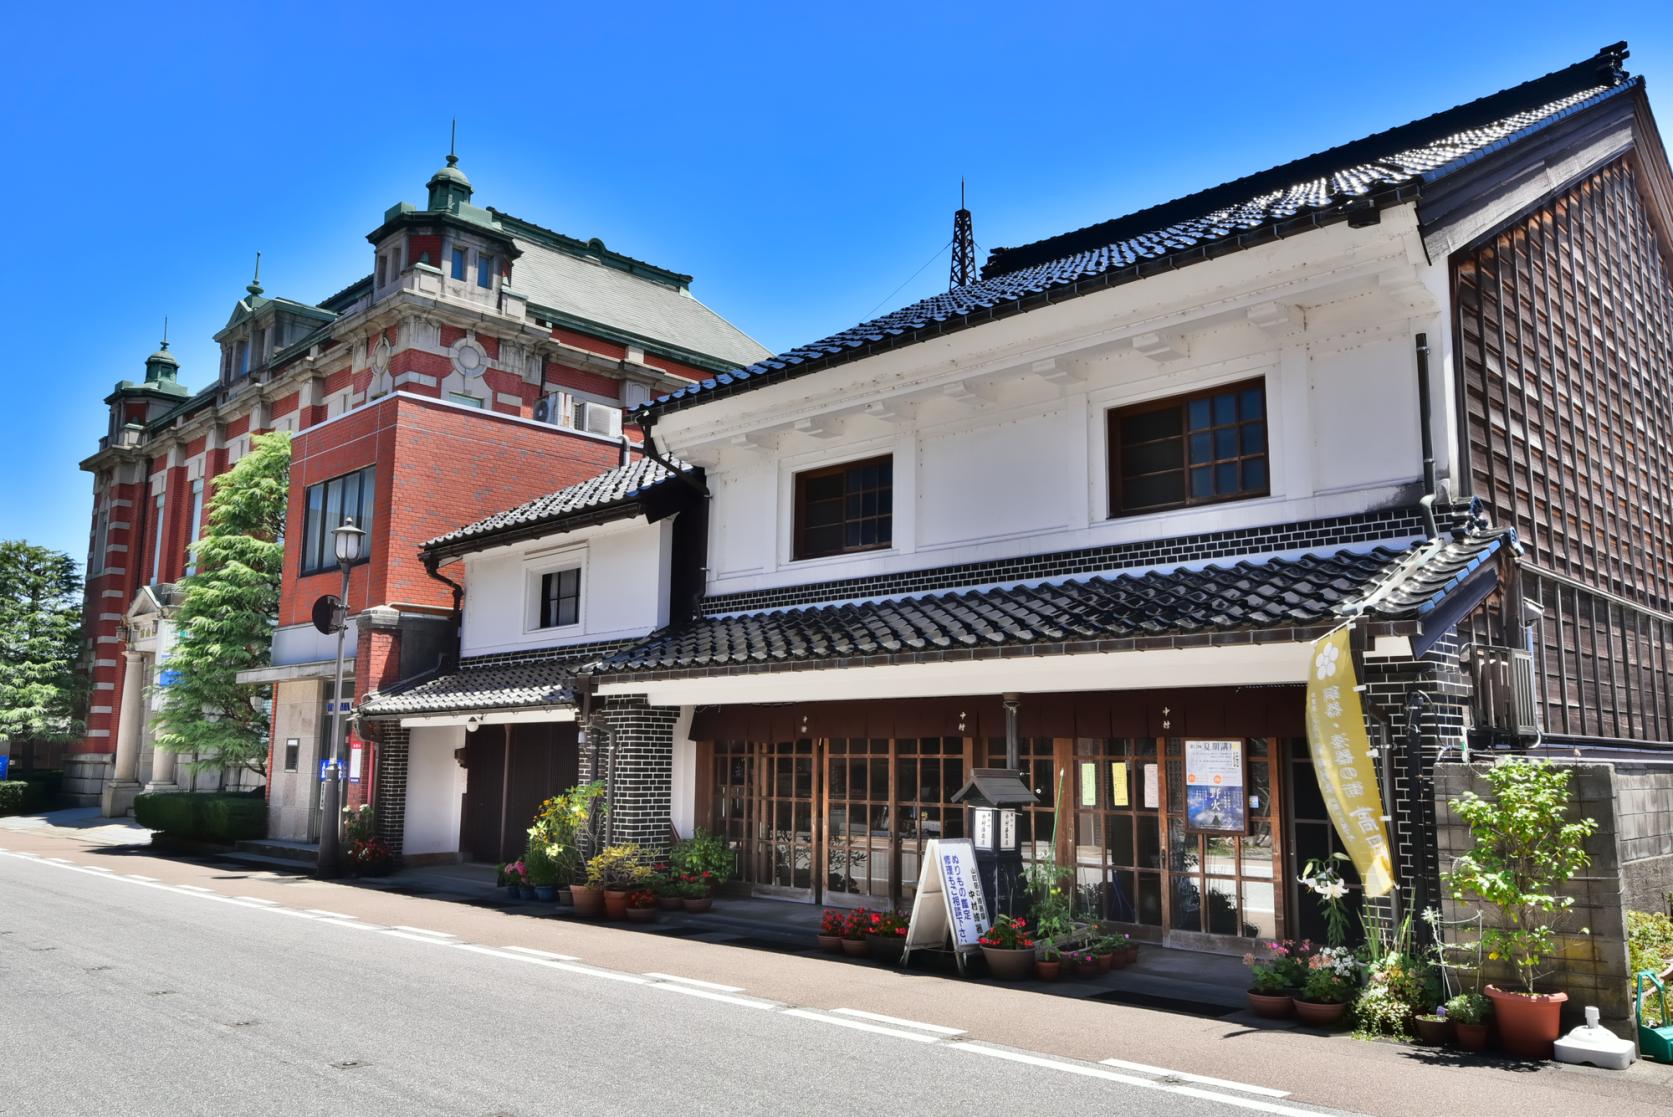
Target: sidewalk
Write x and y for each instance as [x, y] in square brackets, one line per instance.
[82, 824]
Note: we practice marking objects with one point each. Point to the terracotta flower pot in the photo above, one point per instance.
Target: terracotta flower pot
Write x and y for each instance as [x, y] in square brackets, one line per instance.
[1130, 954]
[1010, 965]
[1471, 1037]
[1273, 1006]
[1528, 1024]
[1432, 1030]
[697, 904]
[615, 904]
[641, 915]
[855, 948]
[1047, 971]
[589, 902]
[887, 948]
[1320, 1015]
[830, 944]
[670, 903]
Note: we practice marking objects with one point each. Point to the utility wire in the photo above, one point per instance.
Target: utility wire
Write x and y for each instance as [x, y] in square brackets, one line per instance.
[909, 279]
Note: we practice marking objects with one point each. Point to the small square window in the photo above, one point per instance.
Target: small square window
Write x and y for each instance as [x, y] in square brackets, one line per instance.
[485, 271]
[560, 598]
[458, 262]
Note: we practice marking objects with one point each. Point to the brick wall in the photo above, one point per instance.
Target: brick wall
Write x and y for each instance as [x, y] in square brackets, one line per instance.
[1590, 967]
[632, 747]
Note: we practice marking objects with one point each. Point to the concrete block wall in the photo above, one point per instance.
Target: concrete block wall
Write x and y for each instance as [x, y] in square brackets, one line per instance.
[1644, 822]
[1590, 967]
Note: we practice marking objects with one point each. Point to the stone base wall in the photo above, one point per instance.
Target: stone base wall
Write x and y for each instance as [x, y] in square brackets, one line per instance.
[85, 776]
[1590, 967]
[1644, 818]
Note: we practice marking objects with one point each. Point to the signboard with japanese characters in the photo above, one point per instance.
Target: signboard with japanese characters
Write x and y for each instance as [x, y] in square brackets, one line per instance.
[1214, 800]
[949, 902]
[1342, 760]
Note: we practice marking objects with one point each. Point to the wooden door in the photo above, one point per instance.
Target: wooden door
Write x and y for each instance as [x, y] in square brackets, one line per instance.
[482, 820]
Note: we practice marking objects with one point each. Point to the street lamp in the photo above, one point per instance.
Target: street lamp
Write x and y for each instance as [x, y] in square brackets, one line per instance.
[347, 540]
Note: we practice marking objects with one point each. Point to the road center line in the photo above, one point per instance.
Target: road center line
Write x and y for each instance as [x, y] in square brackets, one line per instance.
[693, 981]
[1206, 1080]
[939, 1029]
[861, 1025]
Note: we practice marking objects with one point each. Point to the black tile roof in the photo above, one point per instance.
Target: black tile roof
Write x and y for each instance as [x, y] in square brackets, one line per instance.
[490, 683]
[1249, 595]
[1384, 168]
[615, 494]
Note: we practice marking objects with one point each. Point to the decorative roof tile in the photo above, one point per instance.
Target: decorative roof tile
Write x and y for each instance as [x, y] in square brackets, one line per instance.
[621, 490]
[537, 680]
[1390, 165]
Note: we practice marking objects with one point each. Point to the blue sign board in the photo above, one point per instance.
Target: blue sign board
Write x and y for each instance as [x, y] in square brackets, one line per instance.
[5, 763]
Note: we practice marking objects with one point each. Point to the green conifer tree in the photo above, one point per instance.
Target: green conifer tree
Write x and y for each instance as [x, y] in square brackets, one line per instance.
[226, 618]
[40, 643]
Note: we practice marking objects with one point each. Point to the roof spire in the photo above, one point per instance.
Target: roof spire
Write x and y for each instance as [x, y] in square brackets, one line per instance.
[161, 367]
[453, 143]
[165, 331]
[449, 188]
[255, 282]
[964, 245]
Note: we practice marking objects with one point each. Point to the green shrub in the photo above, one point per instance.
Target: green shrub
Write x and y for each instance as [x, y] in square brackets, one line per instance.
[18, 796]
[222, 818]
[1649, 947]
[49, 786]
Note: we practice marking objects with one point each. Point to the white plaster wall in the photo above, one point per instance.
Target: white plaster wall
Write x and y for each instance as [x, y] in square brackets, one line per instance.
[624, 587]
[435, 791]
[296, 713]
[682, 814]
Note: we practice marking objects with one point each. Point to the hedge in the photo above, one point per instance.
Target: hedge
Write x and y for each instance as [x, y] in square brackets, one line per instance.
[18, 796]
[222, 817]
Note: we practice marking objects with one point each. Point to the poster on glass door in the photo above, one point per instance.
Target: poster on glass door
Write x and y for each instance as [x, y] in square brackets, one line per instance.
[1214, 796]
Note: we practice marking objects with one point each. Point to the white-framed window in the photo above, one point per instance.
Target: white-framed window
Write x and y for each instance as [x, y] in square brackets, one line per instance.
[554, 593]
[194, 526]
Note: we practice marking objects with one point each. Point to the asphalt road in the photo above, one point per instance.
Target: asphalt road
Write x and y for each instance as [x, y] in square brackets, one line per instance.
[133, 983]
[127, 996]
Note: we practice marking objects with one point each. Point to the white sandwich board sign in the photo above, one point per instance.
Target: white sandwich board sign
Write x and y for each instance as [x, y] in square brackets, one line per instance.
[949, 902]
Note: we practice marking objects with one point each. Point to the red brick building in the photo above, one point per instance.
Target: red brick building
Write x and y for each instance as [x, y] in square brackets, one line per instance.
[484, 361]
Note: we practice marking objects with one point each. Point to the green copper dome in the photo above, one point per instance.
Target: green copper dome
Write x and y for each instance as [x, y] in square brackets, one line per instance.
[161, 366]
[449, 188]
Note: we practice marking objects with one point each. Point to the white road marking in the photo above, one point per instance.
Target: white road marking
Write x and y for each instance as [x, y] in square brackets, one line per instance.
[146, 879]
[431, 939]
[61, 860]
[533, 953]
[97, 869]
[1206, 1080]
[351, 924]
[939, 1029]
[860, 1025]
[423, 931]
[707, 995]
[329, 914]
[194, 887]
[255, 900]
[1131, 1080]
[694, 981]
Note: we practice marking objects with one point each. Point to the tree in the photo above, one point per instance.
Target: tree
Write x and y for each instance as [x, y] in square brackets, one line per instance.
[40, 643]
[226, 617]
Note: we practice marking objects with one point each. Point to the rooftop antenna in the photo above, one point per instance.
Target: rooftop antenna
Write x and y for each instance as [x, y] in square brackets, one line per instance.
[964, 245]
[453, 143]
[255, 283]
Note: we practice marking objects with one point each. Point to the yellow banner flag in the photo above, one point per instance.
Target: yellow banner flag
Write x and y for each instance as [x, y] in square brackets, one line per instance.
[1342, 759]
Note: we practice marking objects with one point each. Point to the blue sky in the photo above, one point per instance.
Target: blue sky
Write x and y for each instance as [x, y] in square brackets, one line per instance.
[801, 161]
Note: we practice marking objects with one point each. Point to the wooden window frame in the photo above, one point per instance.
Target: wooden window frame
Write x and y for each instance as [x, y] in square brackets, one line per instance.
[1112, 437]
[798, 529]
[545, 621]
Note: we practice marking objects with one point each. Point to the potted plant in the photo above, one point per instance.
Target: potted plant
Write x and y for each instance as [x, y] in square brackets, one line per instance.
[1008, 947]
[617, 870]
[641, 905]
[1048, 961]
[1467, 1013]
[703, 856]
[564, 824]
[542, 872]
[886, 935]
[1273, 982]
[854, 928]
[1525, 849]
[666, 885]
[1329, 987]
[511, 874]
[1108, 950]
[696, 894]
[1433, 1028]
[830, 930]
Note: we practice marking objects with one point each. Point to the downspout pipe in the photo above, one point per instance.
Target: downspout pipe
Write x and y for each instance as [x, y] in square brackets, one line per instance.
[431, 567]
[646, 420]
[1424, 414]
[1419, 836]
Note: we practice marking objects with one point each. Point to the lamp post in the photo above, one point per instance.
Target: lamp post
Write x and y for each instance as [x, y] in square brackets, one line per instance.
[347, 539]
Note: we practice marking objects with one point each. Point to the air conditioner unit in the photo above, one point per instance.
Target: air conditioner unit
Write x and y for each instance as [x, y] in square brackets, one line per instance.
[558, 409]
[598, 418]
[1507, 697]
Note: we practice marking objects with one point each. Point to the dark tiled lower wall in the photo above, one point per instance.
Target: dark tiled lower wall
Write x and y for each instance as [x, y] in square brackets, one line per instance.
[391, 791]
[1340, 531]
[631, 746]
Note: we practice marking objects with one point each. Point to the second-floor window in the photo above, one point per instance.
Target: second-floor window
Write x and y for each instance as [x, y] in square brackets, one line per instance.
[458, 262]
[1201, 448]
[845, 508]
[560, 598]
[484, 271]
[157, 539]
[194, 527]
[325, 505]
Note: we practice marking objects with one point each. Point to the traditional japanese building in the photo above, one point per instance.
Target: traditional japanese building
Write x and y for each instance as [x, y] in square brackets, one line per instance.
[484, 360]
[1119, 486]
